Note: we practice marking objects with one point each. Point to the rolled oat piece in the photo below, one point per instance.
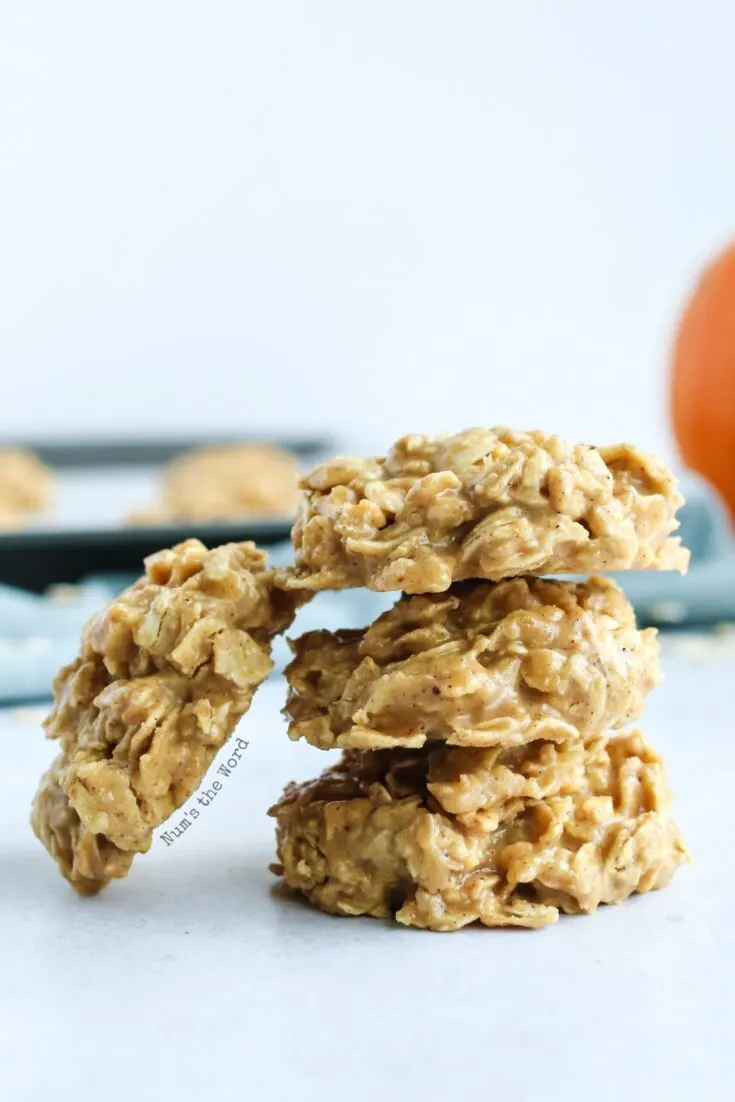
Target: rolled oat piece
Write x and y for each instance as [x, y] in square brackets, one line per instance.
[486, 503]
[373, 836]
[482, 664]
[164, 674]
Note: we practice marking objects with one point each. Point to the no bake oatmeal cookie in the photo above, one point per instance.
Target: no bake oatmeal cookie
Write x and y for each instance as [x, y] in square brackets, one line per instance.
[485, 503]
[481, 664]
[26, 486]
[227, 482]
[374, 835]
[164, 674]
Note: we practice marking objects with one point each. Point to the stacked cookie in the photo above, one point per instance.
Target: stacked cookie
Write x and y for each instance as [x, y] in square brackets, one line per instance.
[484, 775]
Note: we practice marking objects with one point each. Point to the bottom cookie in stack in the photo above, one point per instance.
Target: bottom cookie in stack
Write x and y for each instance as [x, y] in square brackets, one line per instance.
[443, 837]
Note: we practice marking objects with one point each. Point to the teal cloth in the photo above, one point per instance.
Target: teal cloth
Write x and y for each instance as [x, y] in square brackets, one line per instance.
[38, 635]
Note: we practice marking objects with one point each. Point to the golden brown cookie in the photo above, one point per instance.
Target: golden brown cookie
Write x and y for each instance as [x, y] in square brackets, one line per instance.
[486, 503]
[482, 664]
[373, 836]
[227, 482]
[164, 674]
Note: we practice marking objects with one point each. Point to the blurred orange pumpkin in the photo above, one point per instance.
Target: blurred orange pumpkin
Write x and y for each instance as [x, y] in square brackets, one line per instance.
[703, 377]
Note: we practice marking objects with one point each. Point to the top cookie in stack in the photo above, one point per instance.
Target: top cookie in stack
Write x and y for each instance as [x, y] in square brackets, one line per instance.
[480, 781]
[486, 503]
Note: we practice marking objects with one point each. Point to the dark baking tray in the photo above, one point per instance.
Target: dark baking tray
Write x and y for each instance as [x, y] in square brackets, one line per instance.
[143, 453]
[36, 560]
[36, 557]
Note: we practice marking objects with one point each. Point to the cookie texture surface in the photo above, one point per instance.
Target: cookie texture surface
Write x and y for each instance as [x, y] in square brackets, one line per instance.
[164, 674]
[485, 503]
[374, 835]
[482, 664]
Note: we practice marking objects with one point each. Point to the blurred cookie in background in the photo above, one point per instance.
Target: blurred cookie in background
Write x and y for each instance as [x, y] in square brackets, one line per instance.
[26, 486]
[226, 482]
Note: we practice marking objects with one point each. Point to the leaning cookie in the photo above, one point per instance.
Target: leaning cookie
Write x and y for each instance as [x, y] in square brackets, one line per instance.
[482, 664]
[164, 674]
[484, 504]
[367, 838]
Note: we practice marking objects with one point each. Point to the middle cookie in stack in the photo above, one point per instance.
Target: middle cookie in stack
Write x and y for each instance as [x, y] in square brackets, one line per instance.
[478, 781]
[479, 665]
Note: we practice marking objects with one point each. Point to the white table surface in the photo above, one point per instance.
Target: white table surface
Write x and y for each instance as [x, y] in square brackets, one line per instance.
[193, 979]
